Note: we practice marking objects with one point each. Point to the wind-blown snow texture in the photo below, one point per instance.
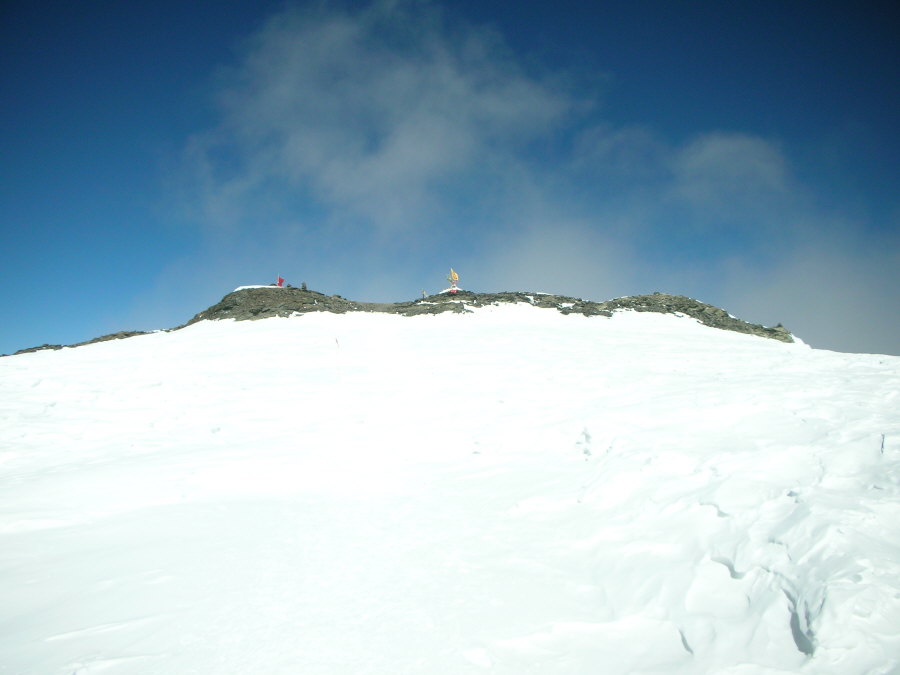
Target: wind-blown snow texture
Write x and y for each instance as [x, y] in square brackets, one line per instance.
[508, 491]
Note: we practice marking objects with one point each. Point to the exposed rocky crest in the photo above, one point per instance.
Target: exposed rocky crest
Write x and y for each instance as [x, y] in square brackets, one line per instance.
[267, 301]
[260, 303]
[103, 338]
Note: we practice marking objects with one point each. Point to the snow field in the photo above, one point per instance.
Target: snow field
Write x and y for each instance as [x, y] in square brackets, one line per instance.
[512, 491]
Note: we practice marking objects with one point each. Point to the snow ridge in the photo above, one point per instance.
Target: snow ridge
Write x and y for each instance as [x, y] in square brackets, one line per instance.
[509, 491]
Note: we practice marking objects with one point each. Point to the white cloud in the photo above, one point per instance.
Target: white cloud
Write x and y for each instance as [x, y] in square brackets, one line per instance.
[382, 115]
[728, 178]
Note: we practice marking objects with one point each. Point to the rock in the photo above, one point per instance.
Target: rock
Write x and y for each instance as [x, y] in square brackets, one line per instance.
[113, 336]
[259, 303]
[709, 315]
[268, 301]
[38, 349]
[103, 338]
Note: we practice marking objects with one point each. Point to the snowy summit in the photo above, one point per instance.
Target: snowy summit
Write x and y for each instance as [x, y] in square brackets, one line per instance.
[489, 483]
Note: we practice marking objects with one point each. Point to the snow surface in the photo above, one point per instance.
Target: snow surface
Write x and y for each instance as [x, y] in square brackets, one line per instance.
[510, 491]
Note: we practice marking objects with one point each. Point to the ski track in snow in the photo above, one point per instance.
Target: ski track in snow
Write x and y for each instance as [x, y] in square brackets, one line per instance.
[512, 491]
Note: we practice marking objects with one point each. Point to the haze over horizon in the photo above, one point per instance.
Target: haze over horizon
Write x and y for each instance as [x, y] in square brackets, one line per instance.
[156, 156]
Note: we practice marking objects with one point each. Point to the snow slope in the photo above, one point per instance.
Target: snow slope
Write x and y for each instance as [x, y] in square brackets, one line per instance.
[512, 491]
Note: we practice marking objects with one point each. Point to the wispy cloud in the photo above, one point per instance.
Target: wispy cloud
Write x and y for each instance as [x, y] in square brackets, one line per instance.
[724, 177]
[386, 117]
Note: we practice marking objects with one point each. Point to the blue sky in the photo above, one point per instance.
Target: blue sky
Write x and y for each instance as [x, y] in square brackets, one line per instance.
[155, 156]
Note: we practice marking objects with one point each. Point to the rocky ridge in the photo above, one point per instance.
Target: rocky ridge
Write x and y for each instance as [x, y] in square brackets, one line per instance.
[103, 338]
[262, 302]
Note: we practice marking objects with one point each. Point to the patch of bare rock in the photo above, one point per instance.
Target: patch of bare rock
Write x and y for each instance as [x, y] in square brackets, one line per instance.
[268, 301]
[260, 303]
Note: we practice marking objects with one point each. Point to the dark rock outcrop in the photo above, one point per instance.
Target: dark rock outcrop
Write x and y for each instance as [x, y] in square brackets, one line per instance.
[259, 303]
[38, 349]
[103, 338]
[268, 301]
[708, 315]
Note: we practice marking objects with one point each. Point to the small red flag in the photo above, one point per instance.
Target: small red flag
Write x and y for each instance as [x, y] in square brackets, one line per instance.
[280, 281]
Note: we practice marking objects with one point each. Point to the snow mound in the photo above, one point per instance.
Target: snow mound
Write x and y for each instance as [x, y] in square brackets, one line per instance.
[509, 491]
